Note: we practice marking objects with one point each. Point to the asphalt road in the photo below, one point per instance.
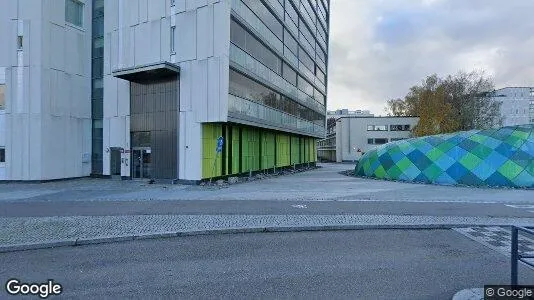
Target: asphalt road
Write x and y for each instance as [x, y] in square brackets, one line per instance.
[366, 264]
[320, 191]
[259, 207]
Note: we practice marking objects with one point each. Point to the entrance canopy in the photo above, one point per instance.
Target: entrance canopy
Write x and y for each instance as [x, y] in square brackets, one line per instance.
[149, 71]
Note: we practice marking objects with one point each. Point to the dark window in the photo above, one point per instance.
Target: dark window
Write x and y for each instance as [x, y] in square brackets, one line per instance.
[247, 42]
[370, 141]
[291, 43]
[266, 16]
[308, 12]
[292, 25]
[380, 141]
[322, 33]
[320, 54]
[322, 13]
[319, 74]
[97, 67]
[247, 88]
[98, 47]
[306, 60]
[98, 27]
[306, 36]
[319, 97]
[291, 12]
[2, 155]
[305, 86]
[98, 8]
[289, 74]
[399, 127]
[238, 34]
[74, 12]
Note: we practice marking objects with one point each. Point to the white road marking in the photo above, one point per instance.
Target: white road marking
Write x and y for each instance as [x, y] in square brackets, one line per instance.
[521, 206]
[299, 206]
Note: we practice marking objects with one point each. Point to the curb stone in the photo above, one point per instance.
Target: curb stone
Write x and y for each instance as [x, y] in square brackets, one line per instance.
[270, 229]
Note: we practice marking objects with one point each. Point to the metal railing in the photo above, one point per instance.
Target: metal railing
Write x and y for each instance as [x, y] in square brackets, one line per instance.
[516, 256]
[271, 115]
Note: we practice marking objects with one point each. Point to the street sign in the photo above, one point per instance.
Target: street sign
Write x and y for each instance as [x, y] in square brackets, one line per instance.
[220, 143]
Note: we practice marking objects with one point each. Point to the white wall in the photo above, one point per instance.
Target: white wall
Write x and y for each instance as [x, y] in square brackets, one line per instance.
[137, 32]
[515, 107]
[352, 134]
[47, 119]
[2, 127]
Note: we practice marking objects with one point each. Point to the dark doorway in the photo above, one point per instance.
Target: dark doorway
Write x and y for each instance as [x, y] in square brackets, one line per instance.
[154, 128]
[115, 162]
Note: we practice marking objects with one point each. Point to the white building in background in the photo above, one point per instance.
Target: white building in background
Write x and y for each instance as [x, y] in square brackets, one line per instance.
[350, 136]
[45, 95]
[517, 106]
[144, 88]
[346, 112]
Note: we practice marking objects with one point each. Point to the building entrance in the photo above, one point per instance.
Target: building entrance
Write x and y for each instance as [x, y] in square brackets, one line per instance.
[115, 162]
[154, 128]
[141, 162]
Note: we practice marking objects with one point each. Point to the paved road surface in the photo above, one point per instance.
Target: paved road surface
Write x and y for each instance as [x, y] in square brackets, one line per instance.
[321, 191]
[260, 207]
[366, 264]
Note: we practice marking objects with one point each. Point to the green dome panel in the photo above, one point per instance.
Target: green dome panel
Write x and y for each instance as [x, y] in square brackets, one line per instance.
[495, 157]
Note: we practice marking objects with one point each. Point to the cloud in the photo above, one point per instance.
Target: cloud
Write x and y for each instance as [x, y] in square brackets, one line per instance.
[378, 49]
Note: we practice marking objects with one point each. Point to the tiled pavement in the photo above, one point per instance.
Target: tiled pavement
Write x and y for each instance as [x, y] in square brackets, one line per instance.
[32, 230]
[498, 238]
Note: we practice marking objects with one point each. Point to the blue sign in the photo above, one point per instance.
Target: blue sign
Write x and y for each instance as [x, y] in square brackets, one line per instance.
[220, 143]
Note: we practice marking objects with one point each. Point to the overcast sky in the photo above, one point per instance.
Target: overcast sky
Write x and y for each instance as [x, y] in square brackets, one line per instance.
[380, 48]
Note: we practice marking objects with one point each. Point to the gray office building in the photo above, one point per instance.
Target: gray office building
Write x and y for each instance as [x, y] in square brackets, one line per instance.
[147, 88]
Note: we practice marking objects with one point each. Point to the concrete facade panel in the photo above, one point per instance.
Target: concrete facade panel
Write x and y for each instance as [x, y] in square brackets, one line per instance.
[221, 25]
[165, 41]
[8, 46]
[194, 4]
[132, 12]
[186, 34]
[214, 96]
[142, 52]
[110, 96]
[143, 10]
[154, 54]
[186, 84]
[205, 30]
[156, 10]
[200, 90]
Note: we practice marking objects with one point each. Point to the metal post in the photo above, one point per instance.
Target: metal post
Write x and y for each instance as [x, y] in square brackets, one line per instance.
[514, 256]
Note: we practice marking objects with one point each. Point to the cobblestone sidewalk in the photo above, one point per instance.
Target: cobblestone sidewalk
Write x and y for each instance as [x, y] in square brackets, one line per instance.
[30, 232]
[498, 238]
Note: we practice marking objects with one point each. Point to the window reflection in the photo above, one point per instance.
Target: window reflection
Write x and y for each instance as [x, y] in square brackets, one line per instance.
[247, 88]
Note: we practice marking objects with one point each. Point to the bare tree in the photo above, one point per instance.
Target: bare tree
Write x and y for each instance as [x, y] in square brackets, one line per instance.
[458, 102]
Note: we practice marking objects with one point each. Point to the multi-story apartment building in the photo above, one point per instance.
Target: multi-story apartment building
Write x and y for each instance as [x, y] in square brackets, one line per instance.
[346, 112]
[146, 89]
[349, 136]
[517, 106]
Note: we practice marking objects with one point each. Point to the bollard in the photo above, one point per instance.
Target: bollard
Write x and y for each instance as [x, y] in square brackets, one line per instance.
[514, 256]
